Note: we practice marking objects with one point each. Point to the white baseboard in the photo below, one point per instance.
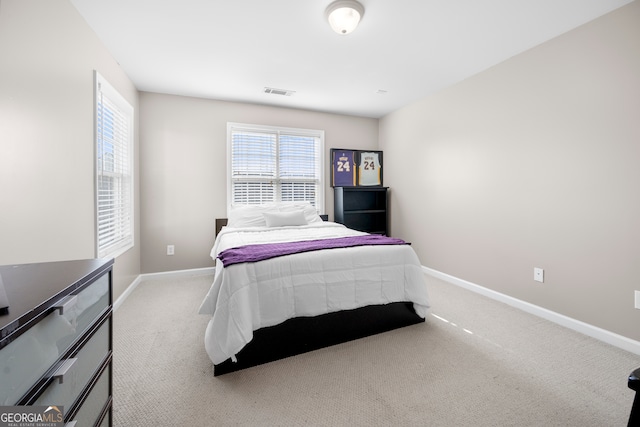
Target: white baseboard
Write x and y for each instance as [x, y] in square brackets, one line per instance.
[162, 275]
[568, 322]
[179, 273]
[126, 293]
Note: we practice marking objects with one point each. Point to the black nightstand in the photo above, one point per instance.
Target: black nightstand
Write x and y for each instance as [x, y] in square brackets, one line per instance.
[634, 384]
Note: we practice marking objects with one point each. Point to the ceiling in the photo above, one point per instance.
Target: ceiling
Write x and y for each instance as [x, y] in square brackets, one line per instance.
[402, 51]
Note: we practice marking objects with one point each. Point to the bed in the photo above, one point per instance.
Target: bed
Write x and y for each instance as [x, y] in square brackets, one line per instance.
[287, 282]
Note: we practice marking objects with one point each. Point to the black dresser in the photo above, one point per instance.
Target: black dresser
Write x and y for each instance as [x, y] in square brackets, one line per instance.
[56, 340]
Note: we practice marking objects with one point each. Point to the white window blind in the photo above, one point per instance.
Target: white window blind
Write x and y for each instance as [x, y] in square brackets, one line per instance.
[269, 164]
[114, 170]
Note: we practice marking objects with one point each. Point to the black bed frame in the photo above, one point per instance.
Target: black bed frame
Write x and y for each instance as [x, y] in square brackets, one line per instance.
[303, 334]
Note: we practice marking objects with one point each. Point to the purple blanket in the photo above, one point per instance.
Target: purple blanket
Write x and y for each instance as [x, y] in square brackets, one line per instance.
[259, 252]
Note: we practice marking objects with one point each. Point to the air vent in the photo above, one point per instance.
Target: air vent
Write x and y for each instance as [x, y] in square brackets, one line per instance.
[275, 91]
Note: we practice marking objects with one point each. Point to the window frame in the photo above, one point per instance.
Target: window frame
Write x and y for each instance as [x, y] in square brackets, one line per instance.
[278, 130]
[125, 234]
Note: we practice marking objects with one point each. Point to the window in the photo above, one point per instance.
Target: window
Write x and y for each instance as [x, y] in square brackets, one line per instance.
[269, 164]
[114, 170]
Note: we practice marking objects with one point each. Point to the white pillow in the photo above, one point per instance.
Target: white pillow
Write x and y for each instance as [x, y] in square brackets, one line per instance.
[281, 219]
[310, 213]
[249, 216]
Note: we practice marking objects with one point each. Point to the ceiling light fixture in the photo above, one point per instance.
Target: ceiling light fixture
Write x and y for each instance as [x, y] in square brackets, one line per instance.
[344, 15]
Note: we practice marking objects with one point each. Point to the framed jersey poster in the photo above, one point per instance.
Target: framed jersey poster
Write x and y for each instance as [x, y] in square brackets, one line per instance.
[343, 168]
[354, 168]
[370, 168]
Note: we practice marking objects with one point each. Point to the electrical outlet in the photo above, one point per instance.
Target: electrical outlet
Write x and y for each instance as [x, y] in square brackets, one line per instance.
[637, 302]
[171, 250]
[538, 274]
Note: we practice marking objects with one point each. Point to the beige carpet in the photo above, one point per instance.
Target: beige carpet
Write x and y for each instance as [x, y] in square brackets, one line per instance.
[479, 363]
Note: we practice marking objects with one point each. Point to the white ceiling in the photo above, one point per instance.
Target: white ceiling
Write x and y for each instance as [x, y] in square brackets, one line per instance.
[231, 50]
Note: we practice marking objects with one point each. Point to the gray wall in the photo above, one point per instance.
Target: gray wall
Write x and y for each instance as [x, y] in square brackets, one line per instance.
[47, 57]
[532, 163]
[183, 168]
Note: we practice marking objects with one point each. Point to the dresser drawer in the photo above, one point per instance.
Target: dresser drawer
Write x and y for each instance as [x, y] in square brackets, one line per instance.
[82, 367]
[92, 408]
[26, 359]
[106, 422]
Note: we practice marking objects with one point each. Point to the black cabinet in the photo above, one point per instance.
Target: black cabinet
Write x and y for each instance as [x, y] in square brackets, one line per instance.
[55, 340]
[361, 208]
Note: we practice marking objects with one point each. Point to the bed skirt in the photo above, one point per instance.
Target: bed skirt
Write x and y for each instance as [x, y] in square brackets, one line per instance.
[304, 334]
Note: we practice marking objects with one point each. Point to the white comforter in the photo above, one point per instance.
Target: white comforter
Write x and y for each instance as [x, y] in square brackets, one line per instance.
[246, 297]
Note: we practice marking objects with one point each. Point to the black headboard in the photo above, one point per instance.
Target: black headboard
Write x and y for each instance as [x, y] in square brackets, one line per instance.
[220, 222]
